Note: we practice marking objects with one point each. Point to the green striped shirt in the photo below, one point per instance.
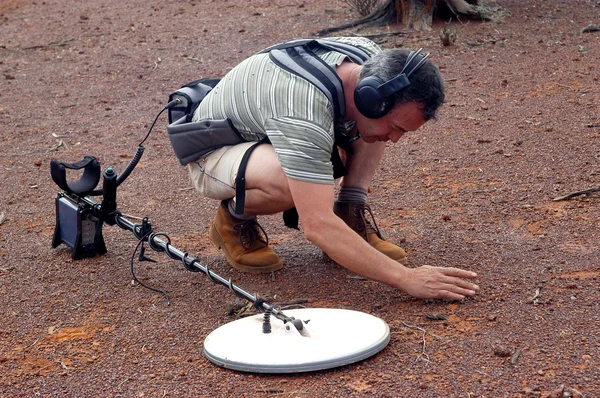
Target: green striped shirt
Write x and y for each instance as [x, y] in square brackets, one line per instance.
[261, 99]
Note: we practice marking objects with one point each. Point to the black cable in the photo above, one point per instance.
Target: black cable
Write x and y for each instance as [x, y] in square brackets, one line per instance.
[135, 278]
[170, 105]
[140, 149]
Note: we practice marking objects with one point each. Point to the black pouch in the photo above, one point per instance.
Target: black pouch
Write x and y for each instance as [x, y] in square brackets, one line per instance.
[192, 140]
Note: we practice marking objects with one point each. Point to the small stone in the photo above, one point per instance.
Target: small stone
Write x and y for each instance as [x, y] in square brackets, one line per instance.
[502, 352]
[571, 286]
[38, 163]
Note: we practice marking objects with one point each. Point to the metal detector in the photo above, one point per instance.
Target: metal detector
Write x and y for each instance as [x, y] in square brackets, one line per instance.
[300, 340]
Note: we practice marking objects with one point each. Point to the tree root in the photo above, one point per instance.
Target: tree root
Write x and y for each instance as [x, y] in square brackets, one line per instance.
[418, 14]
[384, 15]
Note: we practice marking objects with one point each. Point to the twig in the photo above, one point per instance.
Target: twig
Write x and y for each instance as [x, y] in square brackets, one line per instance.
[423, 354]
[58, 145]
[586, 192]
[534, 300]
[124, 381]
[131, 216]
[32, 344]
[7, 269]
[591, 28]
[40, 369]
[291, 302]
[575, 391]
[378, 35]
[59, 43]
[357, 277]
[271, 390]
[62, 364]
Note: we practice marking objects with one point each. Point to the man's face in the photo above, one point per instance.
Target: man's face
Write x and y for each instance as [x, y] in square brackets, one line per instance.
[402, 118]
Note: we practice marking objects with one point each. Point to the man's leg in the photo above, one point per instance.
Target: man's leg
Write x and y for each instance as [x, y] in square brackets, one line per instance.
[351, 203]
[242, 239]
[267, 190]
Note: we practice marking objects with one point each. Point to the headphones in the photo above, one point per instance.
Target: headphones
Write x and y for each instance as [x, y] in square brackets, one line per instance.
[371, 95]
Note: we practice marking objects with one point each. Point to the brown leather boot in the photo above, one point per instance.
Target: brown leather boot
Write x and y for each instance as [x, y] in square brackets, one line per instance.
[243, 244]
[354, 215]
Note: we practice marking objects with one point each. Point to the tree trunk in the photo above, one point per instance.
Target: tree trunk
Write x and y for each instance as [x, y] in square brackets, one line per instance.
[415, 14]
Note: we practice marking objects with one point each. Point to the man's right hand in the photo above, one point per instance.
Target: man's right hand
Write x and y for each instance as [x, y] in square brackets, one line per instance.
[428, 282]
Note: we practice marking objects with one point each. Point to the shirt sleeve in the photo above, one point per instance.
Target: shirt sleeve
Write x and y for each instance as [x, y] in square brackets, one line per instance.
[303, 148]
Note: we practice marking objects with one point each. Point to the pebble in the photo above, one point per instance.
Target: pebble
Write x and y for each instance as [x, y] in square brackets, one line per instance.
[502, 352]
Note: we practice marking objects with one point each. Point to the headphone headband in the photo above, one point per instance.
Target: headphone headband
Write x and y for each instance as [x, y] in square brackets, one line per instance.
[371, 95]
[399, 82]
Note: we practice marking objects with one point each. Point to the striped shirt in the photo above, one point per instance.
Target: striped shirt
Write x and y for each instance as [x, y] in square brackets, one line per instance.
[261, 99]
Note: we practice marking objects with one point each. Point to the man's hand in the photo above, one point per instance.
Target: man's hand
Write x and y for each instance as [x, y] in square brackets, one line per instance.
[428, 282]
[322, 227]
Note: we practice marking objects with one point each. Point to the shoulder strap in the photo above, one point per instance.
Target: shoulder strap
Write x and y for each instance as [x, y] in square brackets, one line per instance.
[298, 57]
[356, 54]
[303, 62]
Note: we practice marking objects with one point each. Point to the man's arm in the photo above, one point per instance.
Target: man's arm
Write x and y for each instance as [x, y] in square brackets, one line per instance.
[322, 227]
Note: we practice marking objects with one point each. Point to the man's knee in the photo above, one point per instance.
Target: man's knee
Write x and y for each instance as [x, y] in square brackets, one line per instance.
[214, 175]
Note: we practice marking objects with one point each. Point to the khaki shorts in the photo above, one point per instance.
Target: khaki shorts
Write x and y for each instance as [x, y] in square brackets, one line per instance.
[214, 174]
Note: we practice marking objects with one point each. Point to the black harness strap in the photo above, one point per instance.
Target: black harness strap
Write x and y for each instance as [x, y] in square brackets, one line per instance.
[240, 178]
[299, 58]
[303, 62]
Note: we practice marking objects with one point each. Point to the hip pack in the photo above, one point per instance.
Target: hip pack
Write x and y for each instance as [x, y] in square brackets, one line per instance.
[192, 140]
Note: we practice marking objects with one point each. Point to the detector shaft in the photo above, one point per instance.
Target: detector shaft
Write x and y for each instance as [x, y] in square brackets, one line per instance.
[158, 244]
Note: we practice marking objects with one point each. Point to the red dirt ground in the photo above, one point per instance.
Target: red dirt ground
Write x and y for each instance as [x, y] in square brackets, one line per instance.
[474, 189]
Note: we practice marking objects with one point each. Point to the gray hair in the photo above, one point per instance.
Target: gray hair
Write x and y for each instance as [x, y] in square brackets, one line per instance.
[426, 85]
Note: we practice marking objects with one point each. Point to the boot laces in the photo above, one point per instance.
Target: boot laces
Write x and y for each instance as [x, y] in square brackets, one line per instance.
[250, 232]
[361, 213]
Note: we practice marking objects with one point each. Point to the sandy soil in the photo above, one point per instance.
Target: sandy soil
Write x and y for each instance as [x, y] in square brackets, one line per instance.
[474, 189]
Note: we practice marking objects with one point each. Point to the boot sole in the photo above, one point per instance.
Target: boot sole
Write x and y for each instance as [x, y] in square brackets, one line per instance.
[251, 269]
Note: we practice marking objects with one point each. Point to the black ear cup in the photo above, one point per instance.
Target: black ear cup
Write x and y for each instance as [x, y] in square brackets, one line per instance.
[371, 95]
[369, 100]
